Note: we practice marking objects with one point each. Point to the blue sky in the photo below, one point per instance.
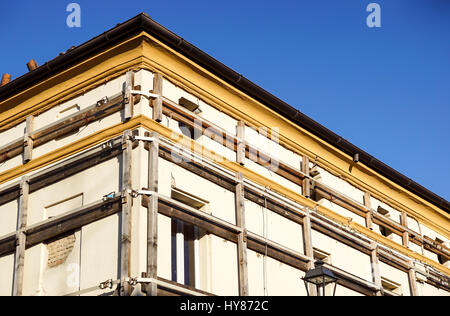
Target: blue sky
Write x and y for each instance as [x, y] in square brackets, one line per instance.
[384, 89]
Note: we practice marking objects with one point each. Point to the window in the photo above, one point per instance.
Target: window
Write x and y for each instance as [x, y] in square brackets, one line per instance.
[189, 245]
[191, 131]
[191, 106]
[383, 211]
[189, 199]
[185, 253]
[386, 232]
[441, 258]
[390, 287]
[326, 258]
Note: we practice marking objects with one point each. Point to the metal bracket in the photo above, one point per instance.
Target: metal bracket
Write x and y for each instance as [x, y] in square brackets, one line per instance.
[109, 196]
[147, 95]
[146, 192]
[102, 101]
[108, 144]
[108, 284]
[245, 235]
[17, 242]
[125, 195]
[316, 208]
[145, 138]
[135, 281]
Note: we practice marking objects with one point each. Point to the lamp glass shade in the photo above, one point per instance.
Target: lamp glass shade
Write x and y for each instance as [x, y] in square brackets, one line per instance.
[320, 275]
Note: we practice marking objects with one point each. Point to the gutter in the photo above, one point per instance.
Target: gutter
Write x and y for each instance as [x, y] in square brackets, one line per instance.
[143, 22]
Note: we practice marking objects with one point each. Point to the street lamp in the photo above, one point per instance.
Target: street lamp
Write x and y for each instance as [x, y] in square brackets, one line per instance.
[320, 277]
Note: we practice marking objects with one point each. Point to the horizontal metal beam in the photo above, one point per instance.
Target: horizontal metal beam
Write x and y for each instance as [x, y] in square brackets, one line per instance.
[64, 169]
[353, 282]
[64, 223]
[8, 244]
[64, 126]
[175, 209]
[174, 288]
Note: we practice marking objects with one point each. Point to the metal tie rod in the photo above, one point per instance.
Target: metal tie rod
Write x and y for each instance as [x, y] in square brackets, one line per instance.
[145, 138]
[135, 281]
[147, 95]
[109, 284]
[145, 192]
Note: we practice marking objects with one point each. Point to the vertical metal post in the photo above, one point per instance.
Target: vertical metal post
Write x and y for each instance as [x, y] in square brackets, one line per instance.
[308, 249]
[306, 186]
[28, 140]
[240, 151]
[128, 97]
[369, 222]
[152, 214]
[157, 103]
[127, 202]
[21, 238]
[376, 276]
[242, 238]
[411, 272]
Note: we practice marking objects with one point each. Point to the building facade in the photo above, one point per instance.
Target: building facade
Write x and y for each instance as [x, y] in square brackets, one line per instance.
[135, 164]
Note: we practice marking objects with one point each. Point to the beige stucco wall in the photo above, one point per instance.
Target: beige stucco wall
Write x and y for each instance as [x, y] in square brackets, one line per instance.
[343, 256]
[11, 163]
[8, 214]
[274, 227]
[271, 277]
[174, 93]
[92, 183]
[86, 266]
[262, 140]
[343, 291]
[393, 213]
[429, 290]
[6, 275]
[224, 271]
[342, 211]
[221, 201]
[83, 101]
[35, 261]
[64, 278]
[341, 186]
[12, 134]
[84, 131]
[269, 173]
[398, 276]
[99, 264]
